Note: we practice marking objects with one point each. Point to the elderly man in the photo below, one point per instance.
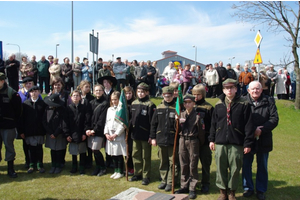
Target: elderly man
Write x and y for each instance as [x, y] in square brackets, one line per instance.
[272, 74]
[222, 72]
[238, 72]
[245, 78]
[231, 136]
[265, 118]
[170, 72]
[151, 71]
[12, 71]
[43, 73]
[10, 112]
[120, 73]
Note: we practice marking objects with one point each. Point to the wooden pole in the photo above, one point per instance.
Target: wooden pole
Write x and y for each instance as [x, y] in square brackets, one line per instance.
[174, 155]
[126, 161]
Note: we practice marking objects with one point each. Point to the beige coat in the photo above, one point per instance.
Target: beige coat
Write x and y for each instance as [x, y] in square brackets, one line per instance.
[54, 71]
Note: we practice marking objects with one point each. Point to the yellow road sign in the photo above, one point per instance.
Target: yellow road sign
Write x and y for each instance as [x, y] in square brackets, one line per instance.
[257, 58]
[258, 38]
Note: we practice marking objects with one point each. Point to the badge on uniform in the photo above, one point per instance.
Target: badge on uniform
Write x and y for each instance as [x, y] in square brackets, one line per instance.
[144, 112]
[5, 100]
[172, 115]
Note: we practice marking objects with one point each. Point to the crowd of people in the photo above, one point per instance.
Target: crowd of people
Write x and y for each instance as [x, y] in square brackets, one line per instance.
[81, 115]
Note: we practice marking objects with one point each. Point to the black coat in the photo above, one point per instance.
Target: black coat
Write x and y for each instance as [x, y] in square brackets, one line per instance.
[12, 71]
[99, 109]
[54, 120]
[77, 121]
[31, 123]
[241, 130]
[264, 114]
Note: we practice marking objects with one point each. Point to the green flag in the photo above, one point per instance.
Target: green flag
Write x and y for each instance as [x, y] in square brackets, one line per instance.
[122, 111]
[179, 101]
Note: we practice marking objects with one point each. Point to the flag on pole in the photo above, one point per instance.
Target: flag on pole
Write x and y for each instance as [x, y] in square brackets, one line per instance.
[122, 111]
[179, 101]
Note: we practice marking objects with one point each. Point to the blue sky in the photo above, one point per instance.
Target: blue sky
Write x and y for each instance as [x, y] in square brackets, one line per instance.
[139, 30]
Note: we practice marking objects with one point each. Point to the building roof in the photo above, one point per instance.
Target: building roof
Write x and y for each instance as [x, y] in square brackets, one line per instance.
[192, 61]
[168, 51]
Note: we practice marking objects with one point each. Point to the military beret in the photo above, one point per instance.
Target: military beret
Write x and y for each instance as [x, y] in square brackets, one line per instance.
[143, 86]
[27, 79]
[34, 88]
[168, 89]
[2, 76]
[190, 97]
[229, 81]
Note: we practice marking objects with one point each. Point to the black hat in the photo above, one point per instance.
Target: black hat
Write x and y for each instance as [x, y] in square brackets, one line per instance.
[111, 78]
[118, 58]
[2, 76]
[34, 88]
[27, 79]
[53, 100]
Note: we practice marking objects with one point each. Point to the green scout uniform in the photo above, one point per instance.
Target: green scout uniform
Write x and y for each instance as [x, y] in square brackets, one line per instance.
[163, 129]
[141, 111]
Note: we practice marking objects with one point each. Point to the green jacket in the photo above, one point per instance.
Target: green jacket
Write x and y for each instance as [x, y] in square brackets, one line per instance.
[43, 68]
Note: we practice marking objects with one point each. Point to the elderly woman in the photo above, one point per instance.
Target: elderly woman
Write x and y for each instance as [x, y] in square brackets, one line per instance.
[76, 66]
[67, 74]
[195, 75]
[54, 70]
[212, 80]
[280, 84]
[26, 68]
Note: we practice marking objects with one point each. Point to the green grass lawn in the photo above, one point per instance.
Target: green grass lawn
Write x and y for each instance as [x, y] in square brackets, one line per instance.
[284, 171]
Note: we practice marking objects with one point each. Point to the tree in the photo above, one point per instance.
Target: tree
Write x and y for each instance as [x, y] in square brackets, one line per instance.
[279, 17]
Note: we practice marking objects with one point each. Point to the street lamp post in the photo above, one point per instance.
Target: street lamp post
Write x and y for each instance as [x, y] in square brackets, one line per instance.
[56, 50]
[19, 50]
[231, 59]
[195, 55]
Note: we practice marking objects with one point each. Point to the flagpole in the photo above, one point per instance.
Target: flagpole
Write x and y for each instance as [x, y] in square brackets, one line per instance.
[174, 155]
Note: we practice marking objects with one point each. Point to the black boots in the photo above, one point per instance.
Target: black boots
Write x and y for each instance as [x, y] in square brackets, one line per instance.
[10, 169]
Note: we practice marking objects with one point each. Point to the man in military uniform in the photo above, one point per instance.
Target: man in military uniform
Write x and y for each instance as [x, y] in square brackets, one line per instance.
[205, 109]
[231, 136]
[10, 111]
[163, 129]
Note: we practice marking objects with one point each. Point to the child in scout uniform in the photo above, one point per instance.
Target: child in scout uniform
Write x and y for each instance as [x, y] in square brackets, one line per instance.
[191, 138]
[205, 109]
[114, 132]
[54, 123]
[32, 130]
[77, 124]
[142, 110]
[163, 129]
[96, 132]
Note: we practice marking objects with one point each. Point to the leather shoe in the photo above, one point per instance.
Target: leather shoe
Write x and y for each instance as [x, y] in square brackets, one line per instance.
[12, 174]
[135, 178]
[162, 186]
[204, 189]
[182, 191]
[192, 195]
[145, 181]
[260, 196]
[168, 188]
[248, 193]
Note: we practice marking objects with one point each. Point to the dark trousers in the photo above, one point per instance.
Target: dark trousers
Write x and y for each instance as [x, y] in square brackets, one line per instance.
[26, 153]
[57, 158]
[13, 82]
[272, 90]
[130, 161]
[205, 159]
[82, 157]
[99, 159]
[119, 82]
[36, 156]
[261, 174]
[293, 92]
[119, 163]
[185, 87]
[45, 80]
[212, 91]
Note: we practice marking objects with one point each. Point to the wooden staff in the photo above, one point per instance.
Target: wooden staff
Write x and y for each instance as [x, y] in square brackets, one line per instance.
[174, 155]
[126, 161]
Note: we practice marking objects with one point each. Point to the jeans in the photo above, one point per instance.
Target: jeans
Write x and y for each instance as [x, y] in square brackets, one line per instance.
[293, 92]
[45, 80]
[261, 174]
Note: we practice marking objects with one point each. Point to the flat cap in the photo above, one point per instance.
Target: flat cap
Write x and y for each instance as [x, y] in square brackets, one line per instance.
[27, 79]
[118, 58]
[34, 88]
[2, 76]
[189, 97]
[229, 81]
[143, 86]
[168, 89]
